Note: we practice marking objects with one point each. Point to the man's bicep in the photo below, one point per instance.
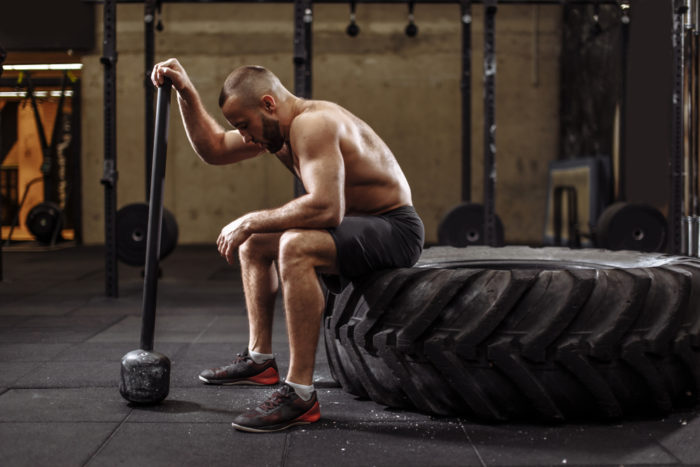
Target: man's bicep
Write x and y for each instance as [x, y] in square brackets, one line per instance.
[315, 141]
[323, 174]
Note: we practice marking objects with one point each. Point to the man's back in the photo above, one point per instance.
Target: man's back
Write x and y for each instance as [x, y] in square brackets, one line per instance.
[374, 182]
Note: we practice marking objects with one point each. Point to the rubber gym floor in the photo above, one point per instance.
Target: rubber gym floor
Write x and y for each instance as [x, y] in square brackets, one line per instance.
[61, 341]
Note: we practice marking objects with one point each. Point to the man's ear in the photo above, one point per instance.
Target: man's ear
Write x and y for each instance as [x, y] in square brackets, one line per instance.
[268, 103]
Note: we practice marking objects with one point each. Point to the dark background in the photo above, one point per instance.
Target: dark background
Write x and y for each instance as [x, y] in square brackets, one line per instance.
[47, 25]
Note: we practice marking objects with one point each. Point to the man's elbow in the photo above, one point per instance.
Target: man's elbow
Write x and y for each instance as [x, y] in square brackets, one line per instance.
[203, 156]
[331, 217]
[209, 150]
[335, 219]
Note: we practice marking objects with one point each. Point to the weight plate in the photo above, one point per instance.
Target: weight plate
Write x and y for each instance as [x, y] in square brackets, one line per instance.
[464, 226]
[44, 221]
[132, 232]
[637, 227]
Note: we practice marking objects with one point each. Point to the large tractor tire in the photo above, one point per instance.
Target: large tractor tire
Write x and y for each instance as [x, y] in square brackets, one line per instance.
[547, 334]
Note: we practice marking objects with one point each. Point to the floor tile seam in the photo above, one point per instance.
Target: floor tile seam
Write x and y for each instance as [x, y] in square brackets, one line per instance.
[666, 450]
[84, 302]
[16, 325]
[43, 328]
[285, 449]
[11, 385]
[120, 318]
[476, 450]
[74, 311]
[10, 301]
[180, 422]
[58, 422]
[71, 345]
[121, 421]
[215, 318]
[612, 464]
[42, 361]
[106, 441]
[87, 274]
[320, 427]
[60, 284]
[60, 388]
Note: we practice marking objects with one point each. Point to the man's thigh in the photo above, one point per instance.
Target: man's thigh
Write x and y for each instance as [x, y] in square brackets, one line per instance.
[364, 245]
[317, 246]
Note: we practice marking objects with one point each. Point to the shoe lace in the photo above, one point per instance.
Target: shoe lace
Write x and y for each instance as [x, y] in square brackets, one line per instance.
[239, 358]
[273, 401]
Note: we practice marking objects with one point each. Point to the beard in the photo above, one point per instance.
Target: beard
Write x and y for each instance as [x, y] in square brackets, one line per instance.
[272, 135]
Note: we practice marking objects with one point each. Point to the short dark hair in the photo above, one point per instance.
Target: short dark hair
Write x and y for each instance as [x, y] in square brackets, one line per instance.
[249, 82]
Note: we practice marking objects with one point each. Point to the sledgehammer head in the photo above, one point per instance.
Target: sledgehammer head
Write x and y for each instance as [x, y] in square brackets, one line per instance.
[145, 377]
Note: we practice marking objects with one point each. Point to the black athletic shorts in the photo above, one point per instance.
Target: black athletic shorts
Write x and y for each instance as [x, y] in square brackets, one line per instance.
[365, 244]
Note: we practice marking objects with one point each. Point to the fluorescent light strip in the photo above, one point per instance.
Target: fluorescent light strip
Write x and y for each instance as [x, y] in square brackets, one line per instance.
[36, 94]
[44, 67]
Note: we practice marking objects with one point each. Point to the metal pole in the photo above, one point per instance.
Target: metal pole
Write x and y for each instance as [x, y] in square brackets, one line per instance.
[109, 178]
[149, 62]
[46, 161]
[676, 199]
[622, 158]
[466, 88]
[490, 7]
[155, 217]
[303, 19]
[694, 245]
[75, 188]
[688, 232]
[695, 59]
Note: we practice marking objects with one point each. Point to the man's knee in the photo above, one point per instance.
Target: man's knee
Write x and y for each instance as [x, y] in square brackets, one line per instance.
[293, 247]
[247, 249]
[256, 248]
[300, 250]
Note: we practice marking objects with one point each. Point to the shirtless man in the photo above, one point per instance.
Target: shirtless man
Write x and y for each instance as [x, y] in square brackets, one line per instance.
[356, 217]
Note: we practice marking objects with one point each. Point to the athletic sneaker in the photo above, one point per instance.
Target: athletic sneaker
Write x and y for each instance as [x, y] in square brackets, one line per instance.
[284, 408]
[243, 370]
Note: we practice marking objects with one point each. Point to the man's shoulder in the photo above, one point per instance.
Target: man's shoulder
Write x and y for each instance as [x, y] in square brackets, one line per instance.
[318, 116]
[321, 109]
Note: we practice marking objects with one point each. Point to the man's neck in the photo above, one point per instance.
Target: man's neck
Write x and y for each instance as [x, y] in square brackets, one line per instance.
[295, 106]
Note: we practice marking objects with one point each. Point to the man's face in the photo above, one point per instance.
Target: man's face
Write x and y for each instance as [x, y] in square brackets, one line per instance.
[255, 126]
[271, 134]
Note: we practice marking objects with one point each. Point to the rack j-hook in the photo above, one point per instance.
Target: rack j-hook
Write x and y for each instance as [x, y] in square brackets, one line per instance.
[625, 8]
[353, 29]
[159, 15]
[411, 28]
[597, 28]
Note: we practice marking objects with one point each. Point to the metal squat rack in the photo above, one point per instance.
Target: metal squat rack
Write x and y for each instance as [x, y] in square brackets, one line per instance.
[302, 59]
[686, 106]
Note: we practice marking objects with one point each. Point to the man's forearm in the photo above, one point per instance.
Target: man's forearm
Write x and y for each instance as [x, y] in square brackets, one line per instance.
[305, 212]
[204, 133]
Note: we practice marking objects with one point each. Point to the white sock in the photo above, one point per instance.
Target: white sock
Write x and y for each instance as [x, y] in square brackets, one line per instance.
[302, 391]
[260, 357]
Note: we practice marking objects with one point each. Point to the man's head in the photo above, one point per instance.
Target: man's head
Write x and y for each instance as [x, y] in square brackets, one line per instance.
[250, 100]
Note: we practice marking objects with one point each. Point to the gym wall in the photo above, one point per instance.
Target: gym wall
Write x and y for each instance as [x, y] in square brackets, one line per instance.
[408, 89]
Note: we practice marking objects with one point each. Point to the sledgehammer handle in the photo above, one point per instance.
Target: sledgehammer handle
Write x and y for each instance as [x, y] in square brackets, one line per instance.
[155, 216]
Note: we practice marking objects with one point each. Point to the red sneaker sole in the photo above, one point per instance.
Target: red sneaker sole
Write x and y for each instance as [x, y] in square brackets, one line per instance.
[313, 415]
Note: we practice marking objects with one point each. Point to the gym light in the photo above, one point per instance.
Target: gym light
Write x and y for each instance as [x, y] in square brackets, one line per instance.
[44, 67]
[21, 94]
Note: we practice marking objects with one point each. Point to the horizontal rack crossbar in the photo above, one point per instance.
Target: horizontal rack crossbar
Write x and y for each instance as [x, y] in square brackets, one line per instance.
[500, 2]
